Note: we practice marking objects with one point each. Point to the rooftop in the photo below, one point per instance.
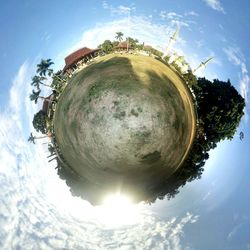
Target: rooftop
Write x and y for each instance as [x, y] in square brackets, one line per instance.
[79, 54]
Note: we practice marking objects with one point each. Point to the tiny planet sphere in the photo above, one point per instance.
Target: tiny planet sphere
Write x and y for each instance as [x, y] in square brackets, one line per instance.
[125, 121]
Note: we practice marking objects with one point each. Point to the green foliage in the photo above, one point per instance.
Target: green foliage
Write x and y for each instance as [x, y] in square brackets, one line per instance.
[35, 95]
[220, 108]
[107, 46]
[166, 58]
[37, 80]
[119, 36]
[132, 42]
[190, 78]
[176, 66]
[39, 122]
[153, 51]
[58, 81]
[43, 68]
[115, 43]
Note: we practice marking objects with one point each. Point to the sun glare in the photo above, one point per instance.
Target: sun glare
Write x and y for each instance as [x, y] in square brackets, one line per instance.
[118, 210]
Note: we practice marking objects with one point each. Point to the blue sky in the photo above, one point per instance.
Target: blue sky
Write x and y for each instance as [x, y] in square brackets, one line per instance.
[211, 213]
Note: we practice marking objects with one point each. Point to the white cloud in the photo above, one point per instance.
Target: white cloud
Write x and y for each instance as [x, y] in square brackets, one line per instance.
[199, 43]
[178, 23]
[169, 15]
[239, 231]
[208, 194]
[46, 36]
[140, 27]
[191, 13]
[119, 10]
[216, 5]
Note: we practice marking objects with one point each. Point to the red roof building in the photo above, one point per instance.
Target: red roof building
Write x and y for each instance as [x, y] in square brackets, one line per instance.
[78, 55]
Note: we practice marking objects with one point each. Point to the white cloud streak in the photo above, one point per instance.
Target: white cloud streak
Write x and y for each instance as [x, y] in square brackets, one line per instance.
[119, 10]
[216, 5]
[169, 15]
[191, 13]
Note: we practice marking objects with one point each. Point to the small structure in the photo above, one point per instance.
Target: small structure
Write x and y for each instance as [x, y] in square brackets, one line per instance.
[46, 103]
[147, 47]
[123, 46]
[79, 57]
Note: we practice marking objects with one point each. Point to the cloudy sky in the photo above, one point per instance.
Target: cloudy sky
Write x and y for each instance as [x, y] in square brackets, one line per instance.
[36, 208]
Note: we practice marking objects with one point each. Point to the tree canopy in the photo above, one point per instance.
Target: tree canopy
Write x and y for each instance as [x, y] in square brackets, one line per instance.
[43, 67]
[35, 95]
[107, 46]
[190, 78]
[39, 122]
[119, 36]
[220, 108]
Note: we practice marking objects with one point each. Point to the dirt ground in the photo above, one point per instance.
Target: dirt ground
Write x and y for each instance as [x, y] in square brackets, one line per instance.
[125, 119]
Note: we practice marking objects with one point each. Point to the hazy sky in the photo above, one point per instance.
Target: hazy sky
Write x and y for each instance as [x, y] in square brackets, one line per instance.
[36, 208]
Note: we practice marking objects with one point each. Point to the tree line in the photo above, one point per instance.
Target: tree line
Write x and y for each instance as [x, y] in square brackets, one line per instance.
[109, 46]
[219, 111]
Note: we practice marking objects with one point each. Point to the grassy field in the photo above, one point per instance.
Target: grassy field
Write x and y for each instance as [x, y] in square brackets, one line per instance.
[125, 118]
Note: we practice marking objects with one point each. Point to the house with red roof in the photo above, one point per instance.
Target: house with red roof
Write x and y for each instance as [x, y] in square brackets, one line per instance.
[81, 55]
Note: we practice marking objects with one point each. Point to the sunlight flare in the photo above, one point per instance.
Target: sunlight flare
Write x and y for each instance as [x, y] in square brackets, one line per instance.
[118, 210]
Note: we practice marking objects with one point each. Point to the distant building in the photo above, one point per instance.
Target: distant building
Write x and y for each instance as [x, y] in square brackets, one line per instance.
[80, 56]
[147, 47]
[46, 103]
[123, 46]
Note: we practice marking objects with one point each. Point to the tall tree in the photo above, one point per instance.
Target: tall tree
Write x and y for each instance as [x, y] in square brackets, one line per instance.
[220, 108]
[119, 36]
[38, 80]
[39, 122]
[43, 68]
[107, 46]
[35, 95]
[132, 42]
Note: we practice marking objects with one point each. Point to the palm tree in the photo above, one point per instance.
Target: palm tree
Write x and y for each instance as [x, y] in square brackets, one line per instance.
[32, 138]
[37, 80]
[119, 36]
[35, 95]
[43, 67]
